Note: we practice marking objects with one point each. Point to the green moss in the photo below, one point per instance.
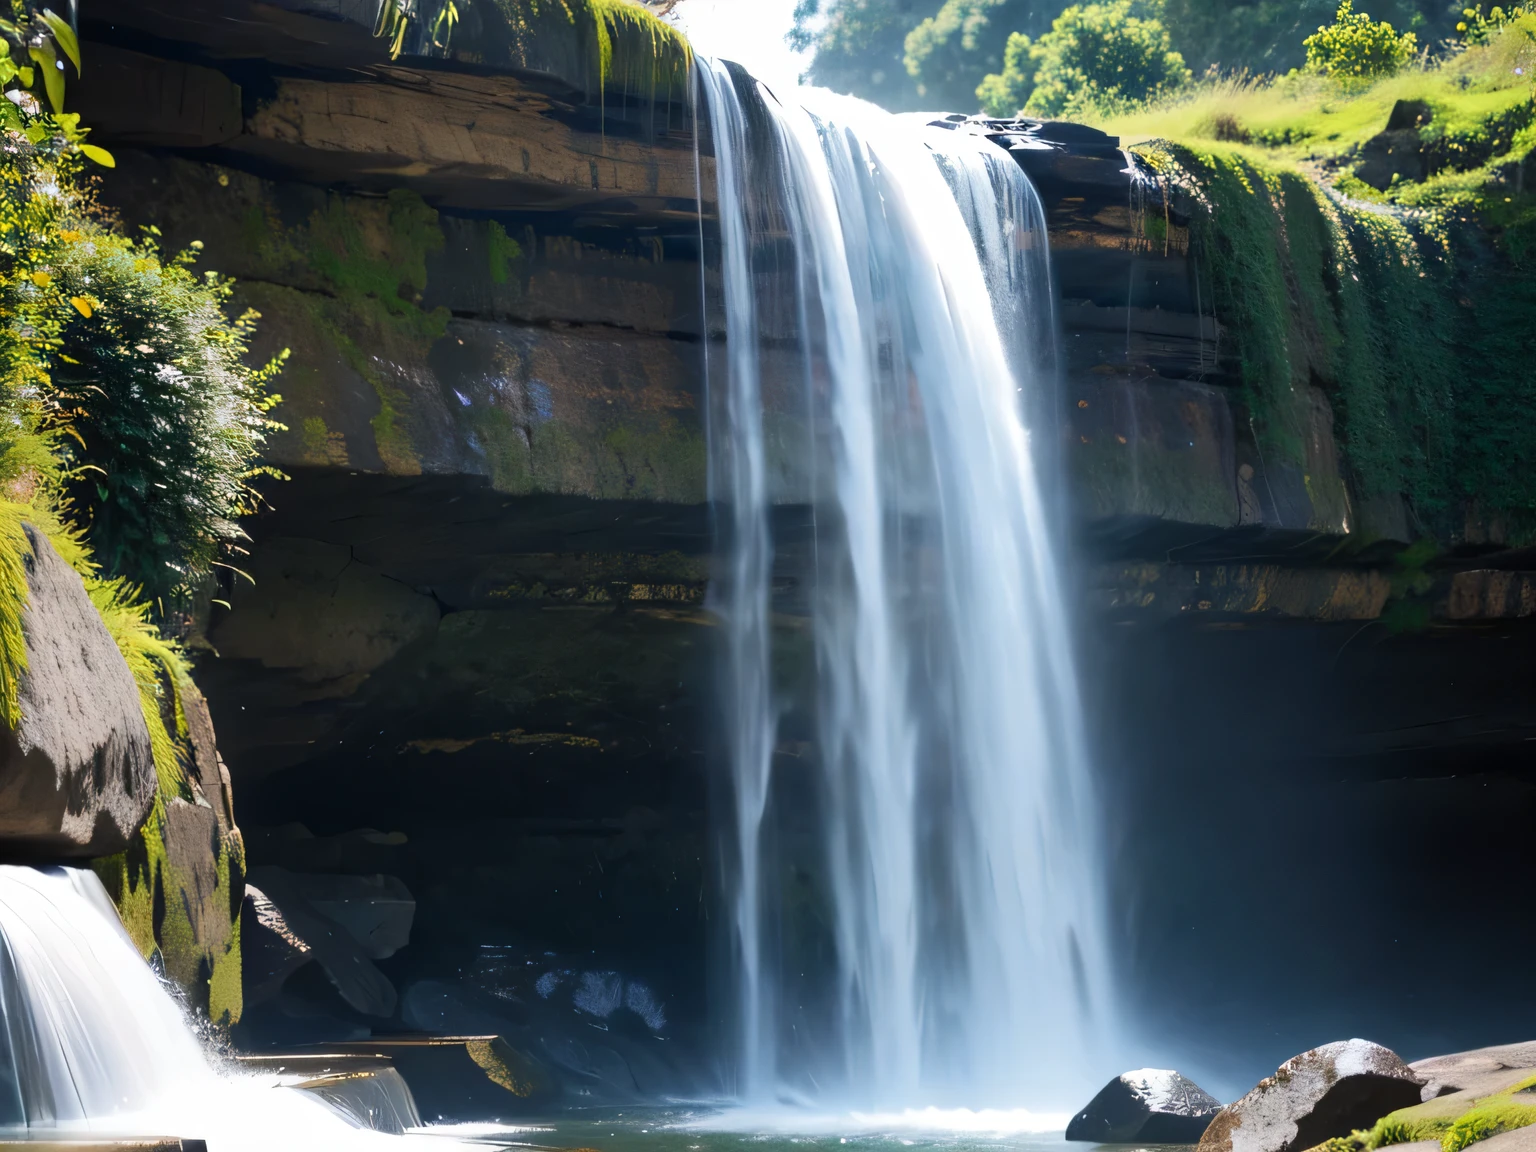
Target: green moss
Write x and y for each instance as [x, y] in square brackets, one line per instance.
[666, 463]
[1109, 476]
[1457, 1121]
[500, 251]
[14, 598]
[1410, 324]
[1487, 1119]
[371, 257]
[606, 47]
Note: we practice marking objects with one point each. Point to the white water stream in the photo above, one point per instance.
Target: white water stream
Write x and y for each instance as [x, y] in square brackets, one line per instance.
[90, 1042]
[916, 916]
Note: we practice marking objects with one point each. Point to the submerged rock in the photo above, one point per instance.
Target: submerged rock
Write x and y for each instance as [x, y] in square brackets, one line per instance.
[76, 776]
[1316, 1096]
[1147, 1106]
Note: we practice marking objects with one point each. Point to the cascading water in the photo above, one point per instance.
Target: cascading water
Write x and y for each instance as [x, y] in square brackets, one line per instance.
[91, 1042]
[916, 909]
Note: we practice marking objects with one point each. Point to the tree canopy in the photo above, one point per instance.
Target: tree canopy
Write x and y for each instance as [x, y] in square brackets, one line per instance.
[930, 54]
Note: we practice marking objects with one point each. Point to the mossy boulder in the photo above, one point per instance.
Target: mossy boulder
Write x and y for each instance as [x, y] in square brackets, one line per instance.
[77, 777]
[180, 882]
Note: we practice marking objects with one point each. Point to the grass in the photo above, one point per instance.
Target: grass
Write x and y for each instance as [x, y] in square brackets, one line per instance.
[1302, 118]
[1406, 305]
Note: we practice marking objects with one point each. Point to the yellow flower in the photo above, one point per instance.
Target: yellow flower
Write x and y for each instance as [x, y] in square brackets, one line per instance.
[41, 279]
[69, 236]
[82, 305]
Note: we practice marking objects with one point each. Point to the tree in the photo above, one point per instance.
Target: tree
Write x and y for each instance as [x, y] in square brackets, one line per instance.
[861, 45]
[950, 53]
[1101, 53]
[1356, 50]
[1005, 93]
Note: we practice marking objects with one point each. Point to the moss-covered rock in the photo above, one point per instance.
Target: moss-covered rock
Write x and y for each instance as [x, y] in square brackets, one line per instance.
[427, 343]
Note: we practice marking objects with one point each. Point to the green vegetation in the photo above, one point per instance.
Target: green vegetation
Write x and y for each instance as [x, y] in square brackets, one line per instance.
[1004, 93]
[1096, 56]
[370, 256]
[164, 415]
[861, 47]
[1456, 1121]
[129, 426]
[614, 47]
[953, 51]
[1355, 50]
[914, 54]
[1391, 269]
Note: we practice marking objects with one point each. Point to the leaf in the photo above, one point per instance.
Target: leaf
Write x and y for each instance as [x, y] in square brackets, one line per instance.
[53, 78]
[82, 305]
[25, 74]
[100, 155]
[65, 35]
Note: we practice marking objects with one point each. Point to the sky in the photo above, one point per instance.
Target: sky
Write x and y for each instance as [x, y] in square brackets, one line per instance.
[750, 32]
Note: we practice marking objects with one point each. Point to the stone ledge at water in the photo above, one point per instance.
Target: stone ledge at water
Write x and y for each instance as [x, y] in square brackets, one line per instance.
[1147, 1106]
[76, 776]
[1321, 1094]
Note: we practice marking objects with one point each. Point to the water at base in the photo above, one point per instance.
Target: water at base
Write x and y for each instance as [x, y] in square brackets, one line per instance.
[698, 1128]
[915, 897]
[90, 1042]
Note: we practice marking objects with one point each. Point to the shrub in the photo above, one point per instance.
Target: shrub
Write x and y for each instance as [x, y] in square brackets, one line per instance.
[1103, 54]
[165, 416]
[1476, 28]
[122, 381]
[1356, 50]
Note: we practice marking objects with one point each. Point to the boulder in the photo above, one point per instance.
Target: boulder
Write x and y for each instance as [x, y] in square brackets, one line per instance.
[343, 922]
[76, 776]
[1480, 1071]
[1316, 1096]
[1147, 1106]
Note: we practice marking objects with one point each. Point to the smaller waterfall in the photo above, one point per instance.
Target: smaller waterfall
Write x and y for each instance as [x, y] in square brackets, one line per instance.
[915, 897]
[90, 1042]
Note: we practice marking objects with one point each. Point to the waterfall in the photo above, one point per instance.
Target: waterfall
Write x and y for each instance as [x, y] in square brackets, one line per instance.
[915, 907]
[91, 1042]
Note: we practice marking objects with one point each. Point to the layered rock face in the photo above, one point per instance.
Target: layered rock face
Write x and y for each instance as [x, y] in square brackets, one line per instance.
[470, 662]
[475, 656]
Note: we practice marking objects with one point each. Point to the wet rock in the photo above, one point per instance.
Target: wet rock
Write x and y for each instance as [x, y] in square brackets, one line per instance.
[1146, 1106]
[1316, 1096]
[76, 776]
[589, 1030]
[347, 960]
[376, 910]
[463, 1078]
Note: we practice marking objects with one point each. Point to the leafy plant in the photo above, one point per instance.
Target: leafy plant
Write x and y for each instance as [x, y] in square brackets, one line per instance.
[33, 48]
[396, 18]
[164, 415]
[1476, 28]
[1355, 50]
